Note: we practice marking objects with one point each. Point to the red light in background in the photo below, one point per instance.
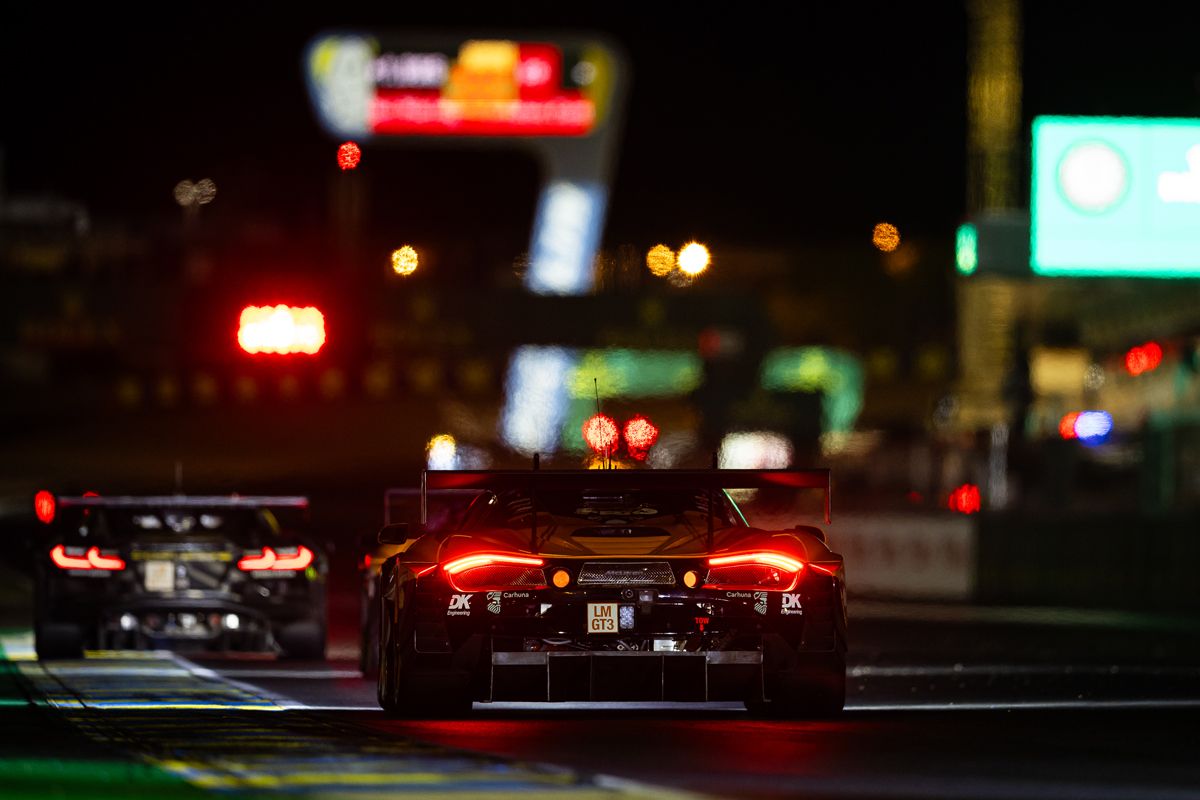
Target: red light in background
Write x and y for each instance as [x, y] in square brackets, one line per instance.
[348, 155]
[268, 559]
[43, 506]
[90, 560]
[1066, 425]
[1144, 358]
[640, 435]
[601, 434]
[965, 499]
[281, 329]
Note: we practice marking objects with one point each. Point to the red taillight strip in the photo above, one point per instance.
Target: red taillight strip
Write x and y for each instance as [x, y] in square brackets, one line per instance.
[770, 559]
[826, 568]
[268, 559]
[485, 559]
[90, 560]
[301, 560]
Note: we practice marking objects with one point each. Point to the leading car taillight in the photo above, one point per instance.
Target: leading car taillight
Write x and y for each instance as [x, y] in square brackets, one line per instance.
[286, 560]
[92, 559]
[495, 571]
[763, 570]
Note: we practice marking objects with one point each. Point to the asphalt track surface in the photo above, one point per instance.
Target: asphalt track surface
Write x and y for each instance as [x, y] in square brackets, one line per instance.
[1079, 706]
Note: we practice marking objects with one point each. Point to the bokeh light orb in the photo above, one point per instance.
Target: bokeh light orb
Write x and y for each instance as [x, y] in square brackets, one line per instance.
[693, 259]
[348, 155]
[886, 237]
[640, 435]
[601, 433]
[660, 260]
[405, 260]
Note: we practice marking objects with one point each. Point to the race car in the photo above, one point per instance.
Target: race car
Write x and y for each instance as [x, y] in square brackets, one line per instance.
[177, 572]
[602, 585]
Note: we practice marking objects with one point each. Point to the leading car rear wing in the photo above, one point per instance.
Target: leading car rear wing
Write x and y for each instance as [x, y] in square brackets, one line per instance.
[710, 480]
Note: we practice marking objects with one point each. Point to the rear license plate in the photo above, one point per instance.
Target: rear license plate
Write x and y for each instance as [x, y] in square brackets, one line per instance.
[601, 617]
[160, 576]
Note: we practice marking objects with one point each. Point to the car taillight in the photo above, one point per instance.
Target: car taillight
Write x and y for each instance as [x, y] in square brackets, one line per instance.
[92, 559]
[276, 561]
[495, 571]
[765, 570]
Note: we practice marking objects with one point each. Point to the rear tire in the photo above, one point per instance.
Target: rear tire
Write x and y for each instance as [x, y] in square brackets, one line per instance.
[405, 691]
[302, 641]
[57, 640]
[807, 693]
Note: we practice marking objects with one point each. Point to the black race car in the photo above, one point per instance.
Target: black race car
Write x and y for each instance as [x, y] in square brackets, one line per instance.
[612, 585]
[177, 572]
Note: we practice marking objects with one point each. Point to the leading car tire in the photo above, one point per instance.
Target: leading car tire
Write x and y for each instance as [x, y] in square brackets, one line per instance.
[54, 640]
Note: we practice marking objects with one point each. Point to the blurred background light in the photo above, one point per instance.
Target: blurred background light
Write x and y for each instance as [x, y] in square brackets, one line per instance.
[885, 237]
[1093, 427]
[405, 260]
[281, 329]
[535, 398]
[640, 435]
[660, 260]
[693, 259]
[1066, 425]
[755, 450]
[836, 374]
[621, 372]
[600, 433]
[348, 155]
[441, 452]
[966, 249]
[1143, 358]
[965, 499]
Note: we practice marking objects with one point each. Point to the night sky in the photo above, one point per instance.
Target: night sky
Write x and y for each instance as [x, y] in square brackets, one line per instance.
[745, 126]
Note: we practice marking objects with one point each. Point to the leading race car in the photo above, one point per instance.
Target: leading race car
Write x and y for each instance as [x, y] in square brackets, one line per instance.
[178, 572]
[612, 585]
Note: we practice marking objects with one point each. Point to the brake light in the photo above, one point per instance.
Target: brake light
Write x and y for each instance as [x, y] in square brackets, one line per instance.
[92, 559]
[495, 570]
[763, 570]
[269, 559]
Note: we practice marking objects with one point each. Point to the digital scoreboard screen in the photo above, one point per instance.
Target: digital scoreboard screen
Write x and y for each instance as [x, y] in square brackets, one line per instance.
[476, 87]
[1115, 196]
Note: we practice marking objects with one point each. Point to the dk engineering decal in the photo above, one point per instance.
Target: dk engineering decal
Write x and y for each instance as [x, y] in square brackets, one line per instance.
[791, 604]
[460, 605]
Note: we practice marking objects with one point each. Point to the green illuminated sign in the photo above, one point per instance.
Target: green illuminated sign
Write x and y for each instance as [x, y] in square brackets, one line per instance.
[1115, 196]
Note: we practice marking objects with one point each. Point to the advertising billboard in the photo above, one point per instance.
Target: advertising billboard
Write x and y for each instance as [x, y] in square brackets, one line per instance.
[1115, 196]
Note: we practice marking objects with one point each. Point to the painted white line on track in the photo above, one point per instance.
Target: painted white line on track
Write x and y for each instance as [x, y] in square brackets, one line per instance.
[1014, 705]
[923, 671]
[298, 674]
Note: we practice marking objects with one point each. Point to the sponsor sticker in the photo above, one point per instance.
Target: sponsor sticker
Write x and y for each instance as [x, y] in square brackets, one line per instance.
[460, 605]
[742, 595]
[791, 604]
[493, 599]
[760, 602]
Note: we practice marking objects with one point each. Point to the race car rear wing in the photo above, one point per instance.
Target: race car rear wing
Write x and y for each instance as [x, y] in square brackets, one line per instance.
[184, 501]
[392, 496]
[709, 480]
